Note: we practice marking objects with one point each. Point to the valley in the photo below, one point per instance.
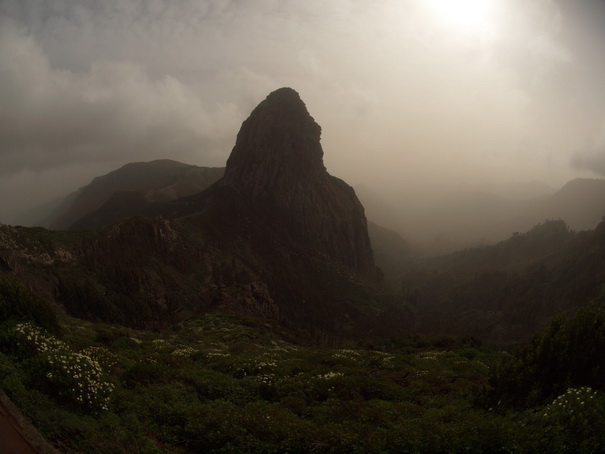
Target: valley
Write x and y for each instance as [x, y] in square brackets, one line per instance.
[254, 308]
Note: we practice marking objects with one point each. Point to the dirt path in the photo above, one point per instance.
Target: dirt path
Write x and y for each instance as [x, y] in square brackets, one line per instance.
[17, 436]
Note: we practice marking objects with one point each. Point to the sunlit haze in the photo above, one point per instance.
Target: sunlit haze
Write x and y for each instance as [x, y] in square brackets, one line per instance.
[416, 98]
[464, 13]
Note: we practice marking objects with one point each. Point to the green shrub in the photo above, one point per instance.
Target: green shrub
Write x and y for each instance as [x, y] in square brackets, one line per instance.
[569, 353]
[77, 376]
[574, 422]
[19, 303]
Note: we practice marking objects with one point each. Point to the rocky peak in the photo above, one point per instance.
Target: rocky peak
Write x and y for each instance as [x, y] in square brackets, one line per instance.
[277, 143]
[277, 167]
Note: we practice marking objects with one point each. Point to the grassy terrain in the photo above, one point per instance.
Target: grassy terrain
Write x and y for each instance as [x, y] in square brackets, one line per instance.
[223, 384]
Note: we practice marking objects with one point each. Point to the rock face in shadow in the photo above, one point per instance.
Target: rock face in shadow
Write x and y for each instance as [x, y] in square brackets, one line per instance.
[277, 237]
[276, 167]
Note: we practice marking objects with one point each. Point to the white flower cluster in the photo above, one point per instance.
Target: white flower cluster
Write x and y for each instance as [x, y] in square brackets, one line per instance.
[263, 364]
[330, 375]
[281, 346]
[217, 350]
[347, 354]
[79, 375]
[32, 337]
[421, 373]
[265, 379]
[572, 400]
[83, 377]
[104, 357]
[432, 355]
[219, 354]
[266, 364]
[385, 359]
[185, 351]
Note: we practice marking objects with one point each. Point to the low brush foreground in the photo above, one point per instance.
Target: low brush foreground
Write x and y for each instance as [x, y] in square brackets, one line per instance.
[219, 383]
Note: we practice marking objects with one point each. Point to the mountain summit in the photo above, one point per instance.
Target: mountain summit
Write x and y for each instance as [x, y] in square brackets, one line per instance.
[278, 143]
[277, 168]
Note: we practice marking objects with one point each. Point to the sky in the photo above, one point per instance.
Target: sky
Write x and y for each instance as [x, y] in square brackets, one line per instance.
[413, 96]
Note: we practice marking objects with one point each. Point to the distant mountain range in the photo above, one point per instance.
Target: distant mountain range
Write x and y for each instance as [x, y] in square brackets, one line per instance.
[465, 219]
[474, 217]
[506, 292]
[127, 190]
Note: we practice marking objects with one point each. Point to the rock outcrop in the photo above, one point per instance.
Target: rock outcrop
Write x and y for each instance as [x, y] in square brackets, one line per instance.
[249, 300]
[277, 237]
[277, 168]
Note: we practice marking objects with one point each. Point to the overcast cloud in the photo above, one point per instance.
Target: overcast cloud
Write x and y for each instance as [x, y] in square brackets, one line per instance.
[410, 96]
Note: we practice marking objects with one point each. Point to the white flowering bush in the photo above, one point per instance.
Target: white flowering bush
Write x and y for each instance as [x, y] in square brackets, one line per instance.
[265, 379]
[574, 403]
[575, 418]
[432, 355]
[104, 357]
[78, 376]
[347, 354]
[184, 351]
[35, 339]
[249, 367]
[329, 375]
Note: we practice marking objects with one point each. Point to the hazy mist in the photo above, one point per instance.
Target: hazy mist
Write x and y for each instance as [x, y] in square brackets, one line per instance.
[416, 99]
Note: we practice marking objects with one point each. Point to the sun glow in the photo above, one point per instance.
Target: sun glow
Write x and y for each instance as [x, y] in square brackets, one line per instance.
[464, 13]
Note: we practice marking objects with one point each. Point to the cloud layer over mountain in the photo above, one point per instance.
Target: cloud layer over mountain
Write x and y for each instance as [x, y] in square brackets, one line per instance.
[410, 95]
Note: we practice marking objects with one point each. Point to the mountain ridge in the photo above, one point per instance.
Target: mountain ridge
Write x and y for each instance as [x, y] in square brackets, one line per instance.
[157, 180]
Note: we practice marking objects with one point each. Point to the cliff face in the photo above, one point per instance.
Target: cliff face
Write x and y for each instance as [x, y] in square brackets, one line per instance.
[278, 143]
[277, 167]
[138, 272]
[277, 237]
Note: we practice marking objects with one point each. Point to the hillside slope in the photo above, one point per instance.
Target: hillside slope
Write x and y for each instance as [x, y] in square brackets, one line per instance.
[156, 181]
[506, 292]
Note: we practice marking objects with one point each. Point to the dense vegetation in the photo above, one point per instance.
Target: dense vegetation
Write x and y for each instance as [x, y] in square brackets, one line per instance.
[570, 353]
[217, 383]
[507, 292]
